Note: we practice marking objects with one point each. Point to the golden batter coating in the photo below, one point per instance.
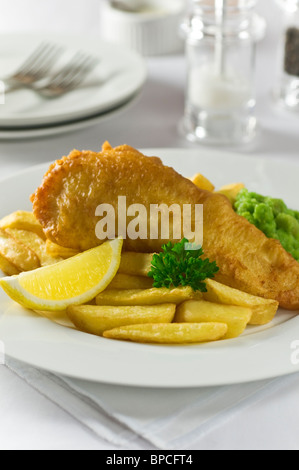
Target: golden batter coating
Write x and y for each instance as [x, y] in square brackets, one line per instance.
[66, 201]
[72, 189]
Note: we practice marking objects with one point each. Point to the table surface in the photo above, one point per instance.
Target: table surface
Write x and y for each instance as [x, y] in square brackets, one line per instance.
[29, 420]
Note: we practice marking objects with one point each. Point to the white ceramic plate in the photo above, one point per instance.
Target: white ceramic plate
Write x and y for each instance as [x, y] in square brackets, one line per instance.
[260, 353]
[120, 74]
[65, 128]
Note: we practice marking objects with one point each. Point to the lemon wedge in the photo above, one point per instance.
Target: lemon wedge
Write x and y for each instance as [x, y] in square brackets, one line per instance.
[73, 281]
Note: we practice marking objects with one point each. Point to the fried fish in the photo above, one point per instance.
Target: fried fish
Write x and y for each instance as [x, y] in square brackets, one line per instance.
[74, 186]
[66, 202]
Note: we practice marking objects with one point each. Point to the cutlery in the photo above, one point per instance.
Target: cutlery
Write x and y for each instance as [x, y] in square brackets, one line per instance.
[68, 78]
[35, 68]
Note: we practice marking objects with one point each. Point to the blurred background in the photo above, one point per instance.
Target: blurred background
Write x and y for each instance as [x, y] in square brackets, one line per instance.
[81, 16]
[161, 104]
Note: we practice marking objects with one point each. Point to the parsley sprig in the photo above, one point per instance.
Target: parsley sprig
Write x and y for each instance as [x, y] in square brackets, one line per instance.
[181, 264]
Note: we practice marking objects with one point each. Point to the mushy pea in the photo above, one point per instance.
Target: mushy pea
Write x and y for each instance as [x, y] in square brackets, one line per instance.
[272, 217]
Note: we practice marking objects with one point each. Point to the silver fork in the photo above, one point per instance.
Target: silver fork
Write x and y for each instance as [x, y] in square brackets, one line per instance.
[35, 68]
[68, 78]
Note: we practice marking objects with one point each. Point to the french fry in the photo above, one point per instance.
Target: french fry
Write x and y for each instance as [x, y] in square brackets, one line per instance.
[57, 251]
[171, 333]
[23, 220]
[35, 243]
[263, 310]
[8, 268]
[127, 281]
[202, 182]
[231, 191]
[95, 320]
[17, 253]
[136, 264]
[151, 296]
[200, 311]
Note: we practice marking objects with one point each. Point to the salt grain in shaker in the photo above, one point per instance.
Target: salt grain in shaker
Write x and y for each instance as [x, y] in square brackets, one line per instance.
[288, 88]
[220, 50]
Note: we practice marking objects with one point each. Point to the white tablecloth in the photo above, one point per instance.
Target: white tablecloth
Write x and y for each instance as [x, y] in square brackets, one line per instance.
[28, 419]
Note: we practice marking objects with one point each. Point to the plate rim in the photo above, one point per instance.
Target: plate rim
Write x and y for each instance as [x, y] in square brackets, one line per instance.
[66, 127]
[64, 117]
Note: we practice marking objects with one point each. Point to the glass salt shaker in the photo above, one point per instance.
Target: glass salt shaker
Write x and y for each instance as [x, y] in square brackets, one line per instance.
[220, 37]
[287, 90]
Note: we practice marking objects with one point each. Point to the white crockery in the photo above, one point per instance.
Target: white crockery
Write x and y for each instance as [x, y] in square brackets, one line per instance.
[121, 73]
[260, 353]
[151, 30]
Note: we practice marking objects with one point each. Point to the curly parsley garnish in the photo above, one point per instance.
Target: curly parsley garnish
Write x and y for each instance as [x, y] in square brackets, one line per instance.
[181, 264]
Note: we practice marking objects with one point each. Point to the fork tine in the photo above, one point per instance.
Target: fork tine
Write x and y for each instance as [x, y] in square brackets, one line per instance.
[80, 67]
[39, 53]
[70, 70]
[32, 58]
[67, 69]
[71, 82]
[42, 67]
[69, 76]
[76, 79]
[74, 63]
[44, 59]
[85, 65]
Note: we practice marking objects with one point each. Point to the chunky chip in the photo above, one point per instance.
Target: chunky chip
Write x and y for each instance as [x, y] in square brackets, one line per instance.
[16, 253]
[23, 220]
[231, 191]
[35, 243]
[263, 310]
[151, 296]
[97, 319]
[57, 251]
[202, 182]
[170, 333]
[8, 268]
[136, 264]
[127, 282]
[199, 311]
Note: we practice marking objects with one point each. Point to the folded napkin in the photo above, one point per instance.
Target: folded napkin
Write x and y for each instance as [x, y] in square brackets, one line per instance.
[168, 419]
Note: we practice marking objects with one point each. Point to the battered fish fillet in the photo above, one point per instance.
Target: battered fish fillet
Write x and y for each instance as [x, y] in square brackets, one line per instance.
[73, 187]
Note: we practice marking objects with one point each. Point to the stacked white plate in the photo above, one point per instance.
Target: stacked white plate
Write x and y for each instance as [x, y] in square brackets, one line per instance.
[110, 88]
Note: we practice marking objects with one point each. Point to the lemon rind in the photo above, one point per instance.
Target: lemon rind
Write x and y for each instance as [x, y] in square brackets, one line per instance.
[13, 288]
